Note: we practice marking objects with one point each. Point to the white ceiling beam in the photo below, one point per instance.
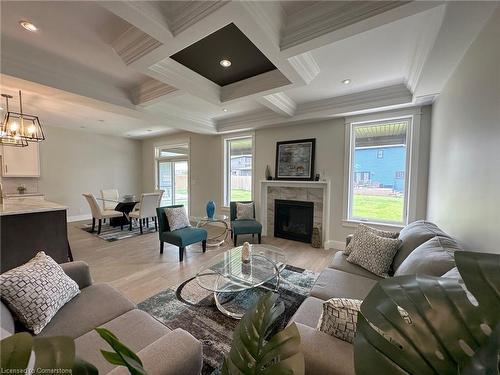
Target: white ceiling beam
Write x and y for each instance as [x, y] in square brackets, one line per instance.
[151, 91]
[280, 103]
[330, 21]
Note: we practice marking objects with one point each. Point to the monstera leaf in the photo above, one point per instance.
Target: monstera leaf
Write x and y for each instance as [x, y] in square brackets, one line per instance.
[429, 325]
[252, 354]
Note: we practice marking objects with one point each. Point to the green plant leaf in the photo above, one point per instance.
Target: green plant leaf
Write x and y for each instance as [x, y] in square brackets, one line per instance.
[129, 358]
[81, 367]
[113, 358]
[250, 354]
[447, 326]
[53, 353]
[486, 361]
[16, 351]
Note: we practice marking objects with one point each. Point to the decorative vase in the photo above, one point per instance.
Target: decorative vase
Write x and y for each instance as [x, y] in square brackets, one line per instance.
[210, 209]
[268, 173]
[316, 237]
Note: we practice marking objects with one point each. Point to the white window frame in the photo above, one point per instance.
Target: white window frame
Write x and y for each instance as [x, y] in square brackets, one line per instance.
[225, 167]
[412, 164]
[158, 159]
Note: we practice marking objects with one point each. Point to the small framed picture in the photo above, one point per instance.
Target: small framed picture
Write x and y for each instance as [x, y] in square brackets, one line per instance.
[295, 160]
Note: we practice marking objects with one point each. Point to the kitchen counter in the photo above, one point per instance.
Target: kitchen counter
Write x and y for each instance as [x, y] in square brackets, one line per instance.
[28, 205]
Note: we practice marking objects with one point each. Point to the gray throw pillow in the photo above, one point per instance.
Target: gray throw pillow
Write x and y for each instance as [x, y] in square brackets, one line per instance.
[37, 290]
[434, 257]
[244, 211]
[177, 217]
[365, 228]
[374, 253]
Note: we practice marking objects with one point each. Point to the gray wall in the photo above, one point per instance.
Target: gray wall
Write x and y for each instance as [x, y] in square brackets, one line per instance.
[464, 182]
[74, 162]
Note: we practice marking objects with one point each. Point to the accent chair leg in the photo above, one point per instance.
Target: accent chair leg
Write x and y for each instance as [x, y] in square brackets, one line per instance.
[99, 226]
[130, 224]
[235, 240]
[181, 253]
[140, 225]
[204, 245]
[253, 236]
[156, 224]
[147, 222]
[260, 238]
[161, 247]
[121, 225]
[93, 225]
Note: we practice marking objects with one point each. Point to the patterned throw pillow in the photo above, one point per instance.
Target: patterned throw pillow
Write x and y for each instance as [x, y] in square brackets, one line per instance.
[37, 290]
[177, 218]
[374, 253]
[244, 211]
[361, 229]
[339, 318]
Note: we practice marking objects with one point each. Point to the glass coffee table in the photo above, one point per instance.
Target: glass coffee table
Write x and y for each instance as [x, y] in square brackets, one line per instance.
[227, 275]
[217, 237]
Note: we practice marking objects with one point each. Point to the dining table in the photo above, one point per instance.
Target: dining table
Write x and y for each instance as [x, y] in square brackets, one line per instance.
[125, 205]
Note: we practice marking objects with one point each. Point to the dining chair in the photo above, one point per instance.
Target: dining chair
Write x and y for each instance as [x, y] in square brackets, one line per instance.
[109, 198]
[243, 226]
[98, 213]
[147, 209]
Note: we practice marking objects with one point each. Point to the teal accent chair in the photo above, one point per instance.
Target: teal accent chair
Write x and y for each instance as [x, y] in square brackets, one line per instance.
[243, 226]
[180, 237]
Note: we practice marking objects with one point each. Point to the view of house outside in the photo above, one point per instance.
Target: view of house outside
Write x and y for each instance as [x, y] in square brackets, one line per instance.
[379, 168]
[240, 169]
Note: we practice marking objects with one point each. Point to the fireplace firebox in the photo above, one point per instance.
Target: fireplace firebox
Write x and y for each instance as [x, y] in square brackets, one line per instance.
[293, 220]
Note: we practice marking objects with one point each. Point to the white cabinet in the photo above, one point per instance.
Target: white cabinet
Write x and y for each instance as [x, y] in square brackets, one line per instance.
[21, 161]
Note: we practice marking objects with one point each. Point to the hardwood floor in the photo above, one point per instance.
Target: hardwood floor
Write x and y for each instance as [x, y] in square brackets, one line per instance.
[136, 267]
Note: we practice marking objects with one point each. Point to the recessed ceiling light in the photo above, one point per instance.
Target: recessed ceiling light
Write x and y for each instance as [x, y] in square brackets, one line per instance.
[225, 63]
[224, 109]
[28, 26]
[346, 81]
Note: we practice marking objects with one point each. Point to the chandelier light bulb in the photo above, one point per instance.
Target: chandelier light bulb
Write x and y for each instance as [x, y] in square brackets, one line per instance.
[14, 126]
[31, 129]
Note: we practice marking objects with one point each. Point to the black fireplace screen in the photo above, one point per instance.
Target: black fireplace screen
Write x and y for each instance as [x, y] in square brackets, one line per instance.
[293, 220]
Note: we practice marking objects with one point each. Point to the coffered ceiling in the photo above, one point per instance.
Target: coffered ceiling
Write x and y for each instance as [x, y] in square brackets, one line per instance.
[148, 68]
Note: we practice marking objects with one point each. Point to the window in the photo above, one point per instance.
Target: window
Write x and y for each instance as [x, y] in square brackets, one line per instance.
[238, 163]
[172, 174]
[377, 171]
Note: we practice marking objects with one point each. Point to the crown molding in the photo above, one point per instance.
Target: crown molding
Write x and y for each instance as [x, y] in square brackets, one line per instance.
[279, 103]
[269, 16]
[305, 65]
[190, 12]
[134, 44]
[150, 90]
[326, 17]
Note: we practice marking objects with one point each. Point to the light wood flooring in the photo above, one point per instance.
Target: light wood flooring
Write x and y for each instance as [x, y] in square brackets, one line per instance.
[136, 267]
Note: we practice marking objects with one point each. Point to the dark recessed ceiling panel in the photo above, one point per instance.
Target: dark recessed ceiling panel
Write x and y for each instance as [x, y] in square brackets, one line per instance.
[229, 43]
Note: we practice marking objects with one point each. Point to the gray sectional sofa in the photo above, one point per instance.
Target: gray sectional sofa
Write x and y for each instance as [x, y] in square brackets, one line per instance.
[325, 354]
[162, 351]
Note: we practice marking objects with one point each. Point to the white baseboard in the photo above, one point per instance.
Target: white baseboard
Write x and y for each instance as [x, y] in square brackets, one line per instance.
[79, 218]
[337, 245]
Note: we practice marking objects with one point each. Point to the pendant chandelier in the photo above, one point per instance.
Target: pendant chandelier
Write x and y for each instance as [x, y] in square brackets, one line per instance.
[18, 128]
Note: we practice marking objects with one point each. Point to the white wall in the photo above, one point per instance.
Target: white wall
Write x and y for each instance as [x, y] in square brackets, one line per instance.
[75, 162]
[464, 181]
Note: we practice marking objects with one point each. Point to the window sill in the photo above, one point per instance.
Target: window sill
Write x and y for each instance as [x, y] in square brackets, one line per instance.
[354, 223]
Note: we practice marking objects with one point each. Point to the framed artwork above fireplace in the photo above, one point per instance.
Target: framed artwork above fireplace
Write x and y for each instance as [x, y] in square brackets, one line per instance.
[295, 160]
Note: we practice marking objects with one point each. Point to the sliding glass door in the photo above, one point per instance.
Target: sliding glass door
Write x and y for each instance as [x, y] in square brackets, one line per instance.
[173, 175]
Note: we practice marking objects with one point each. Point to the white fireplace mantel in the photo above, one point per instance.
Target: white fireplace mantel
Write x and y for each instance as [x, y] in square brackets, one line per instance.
[324, 185]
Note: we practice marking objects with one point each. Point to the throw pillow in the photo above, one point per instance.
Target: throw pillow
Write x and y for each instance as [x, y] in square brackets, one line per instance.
[37, 290]
[177, 218]
[364, 228]
[434, 257]
[339, 318]
[244, 211]
[374, 253]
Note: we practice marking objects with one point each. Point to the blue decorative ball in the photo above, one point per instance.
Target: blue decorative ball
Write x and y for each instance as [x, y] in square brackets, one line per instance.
[210, 209]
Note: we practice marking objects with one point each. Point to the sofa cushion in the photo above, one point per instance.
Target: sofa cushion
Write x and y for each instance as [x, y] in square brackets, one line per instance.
[434, 257]
[7, 322]
[324, 354]
[339, 262]
[36, 290]
[374, 253]
[334, 283]
[136, 329]
[361, 230]
[308, 312]
[412, 236]
[453, 274]
[185, 236]
[94, 306]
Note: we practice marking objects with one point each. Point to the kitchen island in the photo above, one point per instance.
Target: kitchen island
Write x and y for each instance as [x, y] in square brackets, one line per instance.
[29, 225]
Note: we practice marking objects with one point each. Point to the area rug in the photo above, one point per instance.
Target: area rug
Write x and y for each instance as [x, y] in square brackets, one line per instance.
[192, 308]
[111, 234]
